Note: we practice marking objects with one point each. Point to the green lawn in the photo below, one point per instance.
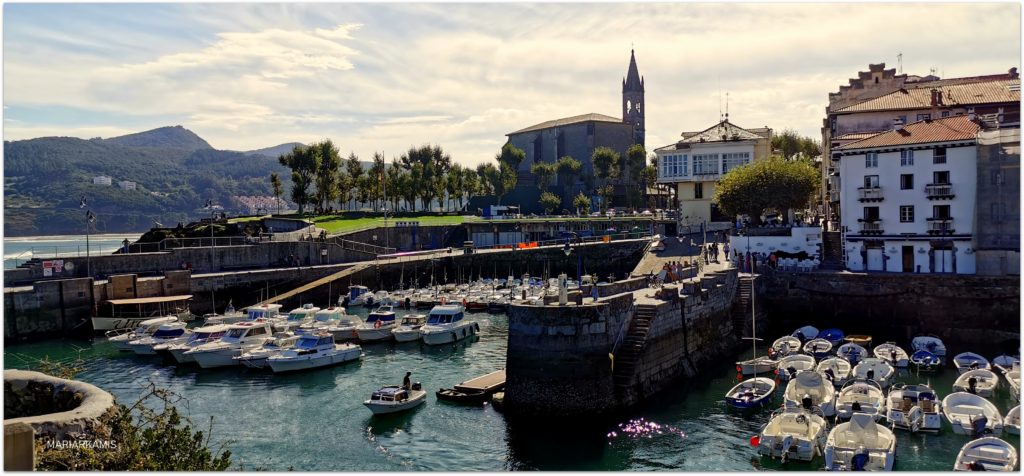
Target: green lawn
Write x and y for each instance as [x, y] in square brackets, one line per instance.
[336, 224]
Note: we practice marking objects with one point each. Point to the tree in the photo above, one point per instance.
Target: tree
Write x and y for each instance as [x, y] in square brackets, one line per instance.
[354, 170]
[328, 172]
[606, 165]
[636, 158]
[649, 177]
[453, 184]
[545, 172]
[470, 185]
[304, 163]
[790, 145]
[275, 182]
[511, 155]
[773, 184]
[393, 179]
[484, 173]
[549, 201]
[375, 181]
[582, 204]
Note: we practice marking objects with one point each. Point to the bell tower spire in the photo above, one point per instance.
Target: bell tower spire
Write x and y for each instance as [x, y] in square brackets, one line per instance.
[633, 99]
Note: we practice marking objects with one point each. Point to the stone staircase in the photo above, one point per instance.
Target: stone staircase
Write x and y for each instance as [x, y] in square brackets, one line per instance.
[832, 242]
[632, 346]
[741, 307]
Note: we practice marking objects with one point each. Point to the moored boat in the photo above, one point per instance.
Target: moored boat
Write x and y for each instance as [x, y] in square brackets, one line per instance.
[930, 343]
[810, 389]
[852, 352]
[409, 329]
[860, 444]
[751, 393]
[805, 333]
[239, 338]
[793, 433]
[115, 314]
[313, 351]
[968, 361]
[378, 325]
[257, 358]
[166, 333]
[914, 408]
[875, 369]
[835, 336]
[971, 414]
[861, 396]
[859, 339]
[818, 348]
[1012, 421]
[835, 369]
[925, 361]
[986, 454]
[791, 365]
[757, 365]
[199, 336]
[122, 338]
[893, 354]
[446, 324]
[783, 346]
[980, 382]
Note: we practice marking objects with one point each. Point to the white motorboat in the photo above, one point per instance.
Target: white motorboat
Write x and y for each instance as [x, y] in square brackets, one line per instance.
[257, 358]
[751, 393]
[296, 318]
[875, 369]
[805, 333]
[357, 295]
[230, 316]
[853, 353]
[122, 338]
[166, 333]
[335, 320]
[1012, 421]
[446, 324]
[757, 365]
[409, 329]
[979, 382]
[971, 414]
[793, 433]
[860, 444]
[836, 369]
[240, 338]
[394, 399]
[861, 396]
[784, 346]
[313, 351]
[811, 389]
[914, 408]
[252, 313]
[968, 361]
[818, 348]
[930, 344]
[892, 353]
[791, 365]
[986, 454]
[378, 325]
[1012, 376]
[199, 336]
[120, 314]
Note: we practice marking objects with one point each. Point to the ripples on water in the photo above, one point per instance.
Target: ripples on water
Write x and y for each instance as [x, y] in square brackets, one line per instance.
[316, 420]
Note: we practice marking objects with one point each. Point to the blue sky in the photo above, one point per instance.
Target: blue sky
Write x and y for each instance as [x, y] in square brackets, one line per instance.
[387, 76]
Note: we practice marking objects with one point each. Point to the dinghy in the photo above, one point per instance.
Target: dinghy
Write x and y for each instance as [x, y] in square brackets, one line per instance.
[835, 369]
[793, 433]
[1012, 421]
[834, 336]
[852, 352]
[759, 365]
[892, 353]
[968, 361]
[805, 333]
[818, 348]
[810, 389]
[751, 393]
[925, 361]
[986, 454]
[914, 408]
[783, 346]
[1006, 361]
[859, 339]
[394, 399]
[979, 382]
[860, 445]
[1012, 377]
[930, 344]
[970, 414]
[875, 369]
[860, 396]
[790, 366]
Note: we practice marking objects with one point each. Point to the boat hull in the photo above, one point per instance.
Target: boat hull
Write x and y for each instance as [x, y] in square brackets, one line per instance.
[466, 398]
[217, 358]
[374, 335]
[407, 336]
[448, 336]
[142, 349]
[385, 408]
[282, 365]
[255, 362]
[111, 323]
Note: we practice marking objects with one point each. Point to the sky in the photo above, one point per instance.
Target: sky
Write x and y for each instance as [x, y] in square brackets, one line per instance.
[388, 76]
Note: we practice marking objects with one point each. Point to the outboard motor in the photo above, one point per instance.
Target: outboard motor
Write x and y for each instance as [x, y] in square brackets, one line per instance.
[800, 335]
[892, 355]
[974, 365]
[830, 375]
[807, 402]
[417, 386]
[859, 460]
[978, 424]
[792, 372]
[972, 385]
[856, 406]
[408, 302]
[871, 374]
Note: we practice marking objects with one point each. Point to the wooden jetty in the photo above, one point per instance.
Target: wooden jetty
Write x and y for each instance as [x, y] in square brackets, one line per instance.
[487, 384]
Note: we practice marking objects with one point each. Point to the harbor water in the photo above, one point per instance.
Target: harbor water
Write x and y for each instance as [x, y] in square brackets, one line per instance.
[316, 421]
[18, 250]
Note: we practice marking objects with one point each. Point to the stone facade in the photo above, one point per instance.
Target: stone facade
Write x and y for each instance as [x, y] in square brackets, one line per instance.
[997, 208]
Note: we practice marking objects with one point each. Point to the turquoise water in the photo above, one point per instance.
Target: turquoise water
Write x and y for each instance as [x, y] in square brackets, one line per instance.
[18, 250]
[316, 420]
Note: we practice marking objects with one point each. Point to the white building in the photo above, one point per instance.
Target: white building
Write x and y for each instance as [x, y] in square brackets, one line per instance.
[126, 185]
[908, 198]
[695, 163]
[102, 180]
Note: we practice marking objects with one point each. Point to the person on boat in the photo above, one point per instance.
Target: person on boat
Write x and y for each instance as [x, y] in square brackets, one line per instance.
[407, 381]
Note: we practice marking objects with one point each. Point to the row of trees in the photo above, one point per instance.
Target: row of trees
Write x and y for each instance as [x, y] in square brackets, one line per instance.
[610, 170]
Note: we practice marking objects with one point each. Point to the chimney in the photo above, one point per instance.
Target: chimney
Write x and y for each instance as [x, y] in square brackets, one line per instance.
[1013, 73]
[897, 124]
[934, 98]
[935, 104]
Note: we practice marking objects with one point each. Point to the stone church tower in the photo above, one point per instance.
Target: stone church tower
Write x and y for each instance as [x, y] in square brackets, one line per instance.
[633, 100]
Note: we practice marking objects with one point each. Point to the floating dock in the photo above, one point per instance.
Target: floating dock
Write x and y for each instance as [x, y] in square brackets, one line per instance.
[488, 384]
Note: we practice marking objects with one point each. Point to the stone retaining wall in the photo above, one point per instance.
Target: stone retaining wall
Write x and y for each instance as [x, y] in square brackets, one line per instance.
[55, 408]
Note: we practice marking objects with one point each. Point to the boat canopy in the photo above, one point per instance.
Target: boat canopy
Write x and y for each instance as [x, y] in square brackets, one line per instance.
[444, 318]
[150, 300]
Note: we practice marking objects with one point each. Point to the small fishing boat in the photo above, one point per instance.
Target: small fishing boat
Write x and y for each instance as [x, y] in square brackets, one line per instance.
[925, 361]
[409, 329]
[805, 333]
[986, 454]
[230, 316]
[914, 408]
[357, 295]
[810, 389]
[859, 339]
[835, 369]
[751, 393]
[852, 352]
[378, 326]
[394, 399]
[892, 353]
[458, 396]
[122, 338]
[257, 358]
[313, 352]
[980, 382]
[970, 361]
[818, 348]
[757, 365]
[835, 336]
[930, 343]
[861, 396]
[1012, 421]
[1006, 361]
[793, 433]
[791, 365]
[875, 369]
[446, 324]
[166, 333]
[1012, 377]
[860, 444]
[783, 346]
[970, 414]
[295, 319]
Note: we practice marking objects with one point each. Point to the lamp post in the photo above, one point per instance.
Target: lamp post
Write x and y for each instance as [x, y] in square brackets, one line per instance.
[579, 255]
[90, 218]
[209, 207]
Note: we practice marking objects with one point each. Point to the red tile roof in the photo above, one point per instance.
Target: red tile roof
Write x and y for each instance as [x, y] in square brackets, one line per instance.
[956, 128]
[985, 92]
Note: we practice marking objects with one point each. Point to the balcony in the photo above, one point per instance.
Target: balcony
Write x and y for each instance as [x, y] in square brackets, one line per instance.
[870, 226]
[940, 226]
[939, 191]
[870, 194]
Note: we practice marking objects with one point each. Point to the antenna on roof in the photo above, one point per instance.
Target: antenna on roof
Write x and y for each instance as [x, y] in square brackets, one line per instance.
[719, 99]
[899, 61]
[932, 70]
[727, 106]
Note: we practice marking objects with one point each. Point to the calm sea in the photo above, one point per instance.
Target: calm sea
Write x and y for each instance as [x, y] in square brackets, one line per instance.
[18, 250]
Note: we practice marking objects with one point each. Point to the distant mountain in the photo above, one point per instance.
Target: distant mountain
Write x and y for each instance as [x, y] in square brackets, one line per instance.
[175, 137]
[275, 151]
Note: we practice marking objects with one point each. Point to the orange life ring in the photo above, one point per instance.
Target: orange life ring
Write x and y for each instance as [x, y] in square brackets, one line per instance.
[376, 324]
[463, 302]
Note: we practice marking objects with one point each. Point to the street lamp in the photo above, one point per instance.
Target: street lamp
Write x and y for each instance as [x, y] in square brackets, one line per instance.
[90, 218]
[209, 207]
[579, 256]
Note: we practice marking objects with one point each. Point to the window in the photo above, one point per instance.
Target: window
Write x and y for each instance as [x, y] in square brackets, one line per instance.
[698, 190]
[941, 177]
[906, 158]
[870, 213]
[733, 160]
[945, 113]
[907, 214]
[871, 160]
[997, 177]
[870, 181]
[924, 117]
[903, 119]
[940, 212]
[674, 166]
[705, 164]
[907, 182]
[998, 212]
[939, 156]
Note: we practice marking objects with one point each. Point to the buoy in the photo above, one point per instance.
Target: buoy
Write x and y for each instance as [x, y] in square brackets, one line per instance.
[739, 378]
[755, 441]
[739, 369]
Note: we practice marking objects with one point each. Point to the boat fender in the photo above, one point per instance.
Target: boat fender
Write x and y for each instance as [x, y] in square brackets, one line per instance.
[376, 324]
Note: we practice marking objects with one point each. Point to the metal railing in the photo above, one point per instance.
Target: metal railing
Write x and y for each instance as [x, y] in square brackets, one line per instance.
[935, 190]
[871, 226]
[561, 241]
[940, 224]
[871, 193]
